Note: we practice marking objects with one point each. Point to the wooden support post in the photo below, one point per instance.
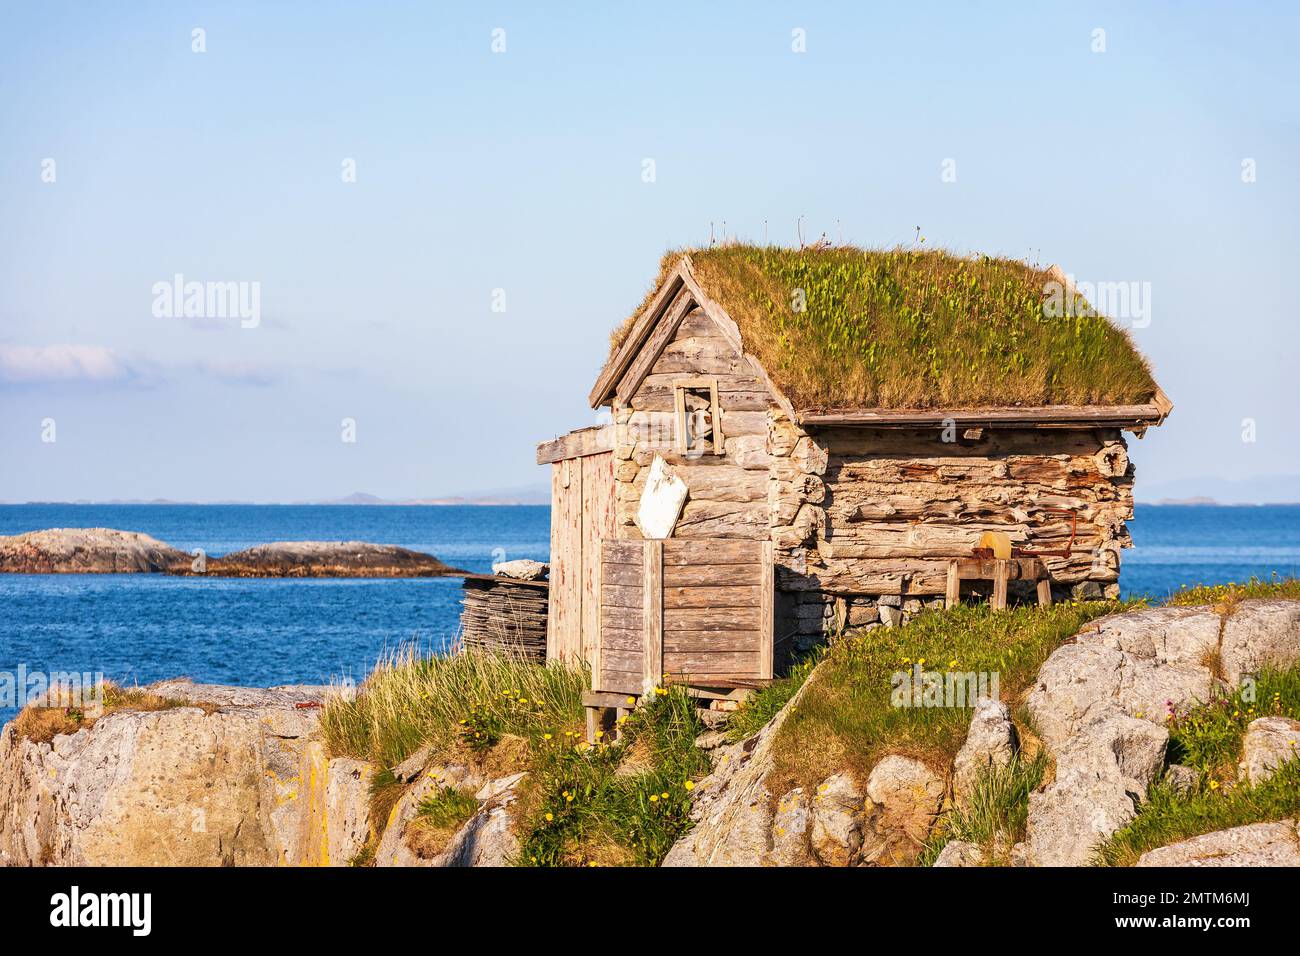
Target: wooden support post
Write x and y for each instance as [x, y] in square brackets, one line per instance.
[593, 723]
[1044, 590]
[952, 595]
[652, 581]
[1000, 573]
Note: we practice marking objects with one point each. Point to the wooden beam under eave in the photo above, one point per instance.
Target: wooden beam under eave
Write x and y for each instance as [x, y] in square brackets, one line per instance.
[577, 444]
[1046, 416]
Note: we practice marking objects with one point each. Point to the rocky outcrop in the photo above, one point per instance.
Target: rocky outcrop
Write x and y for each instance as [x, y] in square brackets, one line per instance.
[837, 821]
[1259, 844]
[733, 812]
[842, 823]
[1101, 702]
[1269, 743]
[241, 780]
[395, 846]
[902, 801]
[328, 559]
[990, 744]
[489, 837]
[227, 776]
[87, 551]
[108, 551]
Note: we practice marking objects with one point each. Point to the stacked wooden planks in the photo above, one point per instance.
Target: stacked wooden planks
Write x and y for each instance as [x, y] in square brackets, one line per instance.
[505, 616]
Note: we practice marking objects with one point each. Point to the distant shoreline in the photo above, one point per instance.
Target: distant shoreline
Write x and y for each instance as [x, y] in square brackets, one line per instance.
[433, 503]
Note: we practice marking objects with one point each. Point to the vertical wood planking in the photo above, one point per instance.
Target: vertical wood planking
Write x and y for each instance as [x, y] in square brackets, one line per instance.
[594, 657]
[597, 517]
[652, 584]
[767, 612]
[565, 610]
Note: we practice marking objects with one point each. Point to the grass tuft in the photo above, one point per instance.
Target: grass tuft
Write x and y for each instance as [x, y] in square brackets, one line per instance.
[846, 719]
[43, 723]
[466, 701]
[994, 817]
[1226, 597]
[766, 703]
[1169, 817]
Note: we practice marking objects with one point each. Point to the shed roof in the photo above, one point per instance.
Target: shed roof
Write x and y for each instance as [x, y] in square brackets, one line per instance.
[859, 336]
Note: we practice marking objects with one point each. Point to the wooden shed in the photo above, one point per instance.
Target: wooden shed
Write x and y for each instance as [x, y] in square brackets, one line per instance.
[851, 426]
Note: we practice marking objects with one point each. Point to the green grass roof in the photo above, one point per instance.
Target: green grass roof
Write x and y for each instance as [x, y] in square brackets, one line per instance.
[905, 328]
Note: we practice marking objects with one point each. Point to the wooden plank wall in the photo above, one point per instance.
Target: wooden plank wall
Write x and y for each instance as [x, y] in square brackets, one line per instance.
[695, 610]
[621, 651]
[597, 524]
[582, 513]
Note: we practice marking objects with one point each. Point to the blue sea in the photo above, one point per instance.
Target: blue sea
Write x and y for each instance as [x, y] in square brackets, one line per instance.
[137, 628]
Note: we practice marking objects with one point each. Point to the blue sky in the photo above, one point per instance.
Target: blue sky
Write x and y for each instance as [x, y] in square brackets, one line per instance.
[522, 171]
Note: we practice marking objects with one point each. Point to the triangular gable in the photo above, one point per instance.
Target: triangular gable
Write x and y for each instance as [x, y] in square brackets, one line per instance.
[655, 328]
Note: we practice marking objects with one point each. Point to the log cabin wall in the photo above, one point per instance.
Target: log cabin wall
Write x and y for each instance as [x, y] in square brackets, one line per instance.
[862, 520]
[896, 503]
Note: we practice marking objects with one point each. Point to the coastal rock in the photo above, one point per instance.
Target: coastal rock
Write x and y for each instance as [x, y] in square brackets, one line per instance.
[1101, 775]
[1258, 844]
[328, 559]
[733, 805]
[488, 838]
[837, 821]
[522, 569]
[1181, 778]
[87, 551]
[958, 853]
[789, 837]
[902, 800]
[1260, 632]
[395, 844]
[1131, 663]
[1100, 704]
[990, 743]
[1269, 743]
[181, 786]
[347, 824]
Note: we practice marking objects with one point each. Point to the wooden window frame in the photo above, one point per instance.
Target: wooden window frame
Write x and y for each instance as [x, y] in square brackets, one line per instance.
[680, 387]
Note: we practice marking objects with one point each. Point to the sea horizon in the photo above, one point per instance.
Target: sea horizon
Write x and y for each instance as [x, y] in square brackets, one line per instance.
[139, 628]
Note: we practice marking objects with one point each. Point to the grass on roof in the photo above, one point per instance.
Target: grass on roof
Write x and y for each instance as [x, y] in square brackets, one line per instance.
[906, 328]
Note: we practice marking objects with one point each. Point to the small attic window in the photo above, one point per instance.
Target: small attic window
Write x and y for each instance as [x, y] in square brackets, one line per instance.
[699, 423]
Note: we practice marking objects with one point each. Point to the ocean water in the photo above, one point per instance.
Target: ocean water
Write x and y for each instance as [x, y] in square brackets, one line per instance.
[137, 628]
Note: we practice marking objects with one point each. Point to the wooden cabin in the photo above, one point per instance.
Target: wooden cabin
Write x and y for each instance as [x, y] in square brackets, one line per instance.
[861, 435]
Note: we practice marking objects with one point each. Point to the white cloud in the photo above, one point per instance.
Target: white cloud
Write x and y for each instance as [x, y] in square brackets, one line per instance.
[61, 363]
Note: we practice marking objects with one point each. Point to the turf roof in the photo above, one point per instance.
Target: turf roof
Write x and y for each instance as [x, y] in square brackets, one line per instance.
[910, 329]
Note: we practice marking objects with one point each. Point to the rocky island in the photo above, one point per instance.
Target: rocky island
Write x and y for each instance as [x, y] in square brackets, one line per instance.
[110, 551]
